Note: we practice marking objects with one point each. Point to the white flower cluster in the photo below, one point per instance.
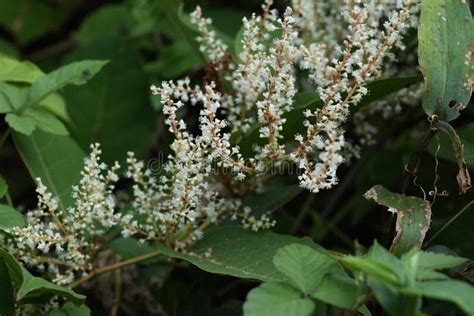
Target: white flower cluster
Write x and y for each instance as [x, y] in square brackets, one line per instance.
[62, 240]
[173, 209]
[341, 47]
[211, 46]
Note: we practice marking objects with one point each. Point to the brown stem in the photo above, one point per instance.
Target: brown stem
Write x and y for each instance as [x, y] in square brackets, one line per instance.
[112, 267]
[118, 293]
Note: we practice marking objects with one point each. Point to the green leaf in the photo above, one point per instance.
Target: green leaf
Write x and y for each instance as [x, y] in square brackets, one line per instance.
[9, 218]
[21, 123]
[271, 199]
[379, 264]
[113, 108]
[388, 298]
[228, 20]
[232, 250]
[173, 10]
[46, 121]
[174, 61]
[445, 35]
[16, 71]
[15, 95]
[413, 217]
[457, 292]
[5, 103]
[55, 104]
[438, 261]
[466, 134]
[117, 17]
[429, 275]
[25, 72]
[57, 160]
[303, 265]
[77, 73]
[3, 187]
[14, 268]
[70, 309]
[377, 269]
[273, 299]
[7, 295]
[34, 290]
[463, 178]
[337, 290]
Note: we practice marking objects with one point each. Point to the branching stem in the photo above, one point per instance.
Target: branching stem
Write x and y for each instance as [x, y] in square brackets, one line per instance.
[113, 267]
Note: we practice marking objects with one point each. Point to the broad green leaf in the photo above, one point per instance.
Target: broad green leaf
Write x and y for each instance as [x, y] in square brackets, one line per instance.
[429, 275]
[29, 19]
[445, 35]
[378, 89]
[3, 187]
[46, 121]
[5, 104]
[175, 60]
[9, 218]
[24, 124]
[461, 270]
[337, 290]
[117, 17]
[271, 199]
[70, 309]
[437, 261]
[173, 10]
[7, 295]
[273, 299]
[15, 95]
[228, 20]
[55, 104]
[35, 290]
[413, 217]
[25, 72]
[16, 71]
[57, 160]
[13, 267]
[457, 292]
[232, 250]
[77, 73]
[146, 17]
[114, 107]
[303, 265]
